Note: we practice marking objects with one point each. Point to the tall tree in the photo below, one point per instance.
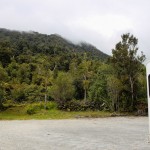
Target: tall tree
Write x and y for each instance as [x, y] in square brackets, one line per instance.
[127, 64]
[3, 78]
[114, 86]
[86, 73]
[44, 74]
[62, 89]
[5, 53]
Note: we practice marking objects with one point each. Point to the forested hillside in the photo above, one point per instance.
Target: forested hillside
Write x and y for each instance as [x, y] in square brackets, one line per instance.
[33, 42]
[37, 67]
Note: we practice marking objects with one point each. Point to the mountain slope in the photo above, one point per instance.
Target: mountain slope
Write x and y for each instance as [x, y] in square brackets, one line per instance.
[23, 42]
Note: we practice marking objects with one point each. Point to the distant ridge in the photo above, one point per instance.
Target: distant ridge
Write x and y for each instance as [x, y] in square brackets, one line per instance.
[43, 43]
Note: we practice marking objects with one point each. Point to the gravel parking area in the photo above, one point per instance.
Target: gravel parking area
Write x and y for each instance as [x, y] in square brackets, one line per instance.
[120, 133]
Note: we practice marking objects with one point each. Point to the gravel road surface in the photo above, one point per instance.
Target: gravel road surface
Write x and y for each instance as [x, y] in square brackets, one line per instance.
[120, 133]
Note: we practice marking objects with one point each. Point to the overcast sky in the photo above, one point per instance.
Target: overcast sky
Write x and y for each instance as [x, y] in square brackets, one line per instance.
[99, 22]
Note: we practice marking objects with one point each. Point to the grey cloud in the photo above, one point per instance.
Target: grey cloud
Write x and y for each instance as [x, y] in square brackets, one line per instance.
[73, 19]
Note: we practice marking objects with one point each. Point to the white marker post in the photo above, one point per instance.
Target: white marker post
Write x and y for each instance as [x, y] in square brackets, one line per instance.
[148, 94]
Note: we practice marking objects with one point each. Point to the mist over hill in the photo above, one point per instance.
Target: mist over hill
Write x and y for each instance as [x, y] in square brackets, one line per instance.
[47, 44]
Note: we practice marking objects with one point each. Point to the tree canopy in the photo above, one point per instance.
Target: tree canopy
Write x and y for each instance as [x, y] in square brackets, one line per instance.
[128, 65]
[35, 67]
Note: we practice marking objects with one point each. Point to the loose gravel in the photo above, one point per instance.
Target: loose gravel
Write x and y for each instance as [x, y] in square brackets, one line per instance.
[118, 133]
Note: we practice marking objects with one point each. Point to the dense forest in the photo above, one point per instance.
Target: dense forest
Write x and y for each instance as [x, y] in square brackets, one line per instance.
[36, 67]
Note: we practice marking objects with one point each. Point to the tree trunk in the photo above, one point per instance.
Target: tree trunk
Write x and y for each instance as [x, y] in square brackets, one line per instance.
[85, 94]
[132, 92]
[85, 89]
[1, 104]
[45, 101]
[45, 93]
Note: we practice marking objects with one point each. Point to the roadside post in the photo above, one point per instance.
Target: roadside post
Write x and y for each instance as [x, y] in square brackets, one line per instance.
[148, 94]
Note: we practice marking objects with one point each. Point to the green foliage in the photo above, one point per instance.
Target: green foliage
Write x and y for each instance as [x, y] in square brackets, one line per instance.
[41, 68]
[5, 52]
[51, 105]
[18, 92]
[82, 105]
[85, 73]
[33, 93]
[3, 74]
[28, 43]
[3, 79]
[128, 66]
[97, 91]
[114, 87]
[19, 112]
[62, 89]
[31, 110]
[1, 98]
[36, 107]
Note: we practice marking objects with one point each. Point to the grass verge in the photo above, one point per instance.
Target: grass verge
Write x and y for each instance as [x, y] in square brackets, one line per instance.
[19, 112]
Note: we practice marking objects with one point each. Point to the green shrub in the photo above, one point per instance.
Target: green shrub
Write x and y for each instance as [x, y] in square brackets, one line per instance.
[8, 103]
[51, 105]
[81, 105]
[35, 107]
[31, 110]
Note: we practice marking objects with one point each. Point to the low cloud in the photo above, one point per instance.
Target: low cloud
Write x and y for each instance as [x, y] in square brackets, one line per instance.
[98, 22]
